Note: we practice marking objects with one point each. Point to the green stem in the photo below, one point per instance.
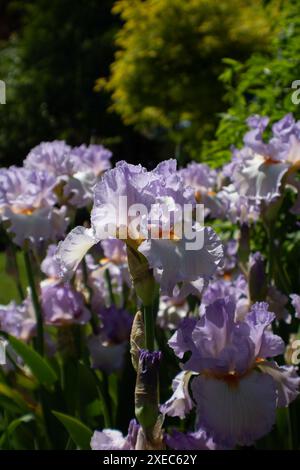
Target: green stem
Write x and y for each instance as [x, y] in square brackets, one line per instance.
[110, 289]
[270, 234]
[14, 261]
[149, 327]
[94, 318]
[36, 304]
[102, 387]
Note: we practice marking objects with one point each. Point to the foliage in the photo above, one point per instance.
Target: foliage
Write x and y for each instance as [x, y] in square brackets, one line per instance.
[262, 85]
[50, 68]
[164, 77]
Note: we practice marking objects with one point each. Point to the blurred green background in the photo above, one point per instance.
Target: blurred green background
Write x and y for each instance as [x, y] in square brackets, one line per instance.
[140, 76]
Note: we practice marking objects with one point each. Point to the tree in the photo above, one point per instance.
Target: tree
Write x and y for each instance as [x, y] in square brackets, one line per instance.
[50, 66]
[165, 74]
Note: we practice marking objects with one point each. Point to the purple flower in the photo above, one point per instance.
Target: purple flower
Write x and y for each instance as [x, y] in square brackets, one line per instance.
[234, 288]
[237, 207]
[254, 138]
[180, 403]
[127, 186]
[149, 363]
[181, 341]
[203, 180]
[190, 441]
[50, 265]
[230, 249]
[260, 178]
[296, 304]
[259, 174]
[277, 302]
[105, 356]
[78, 168]
[229, 357]
[95, 158]
[174, 264]
[114, 250]
[51, 157]
[115, 260]
[199, 176]
[62, 305]
[171, 311]
[17, 320]
[108, 439]
[111, 439]
[108, 348]
[27, 203]
[116, 324]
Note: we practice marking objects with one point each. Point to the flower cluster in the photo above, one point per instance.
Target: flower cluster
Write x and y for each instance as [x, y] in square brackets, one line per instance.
[128, 304]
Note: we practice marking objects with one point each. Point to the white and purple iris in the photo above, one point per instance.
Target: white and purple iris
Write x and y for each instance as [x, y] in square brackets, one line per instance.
[261, 169]
[235, 387]
[28, 206]
[76, 168]
[171, 262]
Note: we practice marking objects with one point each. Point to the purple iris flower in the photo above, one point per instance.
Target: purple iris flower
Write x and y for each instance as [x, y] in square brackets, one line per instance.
[111, 439]
[259, 174]
[95, 158]
[231, 360]
[27, 203]
[50, 265]
[77, 168]
[295, 298]
[51, 157]
[18, 320]
[62, 304]
[116, 324]
[108, 348]
[163, 184]
[190, 441]
[204, 182]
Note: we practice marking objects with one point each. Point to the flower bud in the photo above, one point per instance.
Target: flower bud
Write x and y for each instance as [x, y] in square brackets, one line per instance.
[142, 276]
[244, 244]
[257, 278]
[137, 339]
[146, 390]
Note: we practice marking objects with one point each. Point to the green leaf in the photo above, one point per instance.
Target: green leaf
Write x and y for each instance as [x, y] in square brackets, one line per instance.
[39, 366]
[16, 422]
[14, 396]
[78, 431]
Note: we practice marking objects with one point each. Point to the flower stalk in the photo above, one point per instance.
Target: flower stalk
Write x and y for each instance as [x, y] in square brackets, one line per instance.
[35, 302]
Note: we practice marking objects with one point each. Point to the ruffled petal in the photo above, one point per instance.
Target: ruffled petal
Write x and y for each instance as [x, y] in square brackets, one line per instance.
[266, 343]
[191, 441]
[180, 402]
[42, 225]
[296, 304]
[286, 379]
[236, 413]
[73, 248]
[181, 341]
[108, 439]
[179, 264]
[259, 179]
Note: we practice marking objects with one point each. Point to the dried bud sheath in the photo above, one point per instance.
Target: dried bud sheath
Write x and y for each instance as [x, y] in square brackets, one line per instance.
[146, 391]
